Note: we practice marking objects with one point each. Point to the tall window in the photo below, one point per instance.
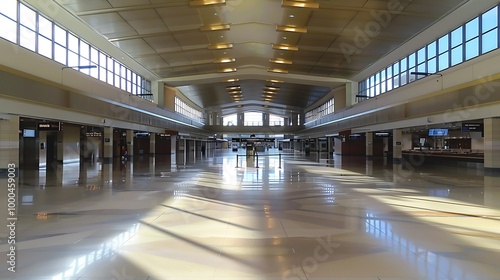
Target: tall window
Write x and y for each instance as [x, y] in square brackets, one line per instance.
[230, 120]
[253, 119]
[39, 34]
[184, 109]
[276, 120]
[323, 110]
[470, 40]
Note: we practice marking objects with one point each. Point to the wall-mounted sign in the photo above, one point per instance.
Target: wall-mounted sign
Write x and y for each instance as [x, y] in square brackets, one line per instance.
[93, 134]
[472, 127]
[49, 126]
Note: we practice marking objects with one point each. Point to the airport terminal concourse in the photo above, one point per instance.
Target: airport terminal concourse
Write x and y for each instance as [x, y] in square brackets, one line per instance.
[249, 139]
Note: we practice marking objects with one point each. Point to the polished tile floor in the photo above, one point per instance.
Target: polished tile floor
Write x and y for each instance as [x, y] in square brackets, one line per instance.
[301, 218]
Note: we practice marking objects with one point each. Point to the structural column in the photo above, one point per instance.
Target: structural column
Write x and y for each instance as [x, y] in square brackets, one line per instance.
[369, 145]
[108, 145]
[152, 144]
[130, 143]
[9, 164]
[9, 148]
[492, 146]
[397, 150]
[173, 152]
[338, 145]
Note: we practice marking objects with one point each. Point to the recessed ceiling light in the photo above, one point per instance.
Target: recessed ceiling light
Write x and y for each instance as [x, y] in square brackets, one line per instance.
[271, 88]
[289, 28]
[291, 16]
[227, 70]
[299, 4]
[225, 60]
[237, 87]
[285, 47]
[232, 80]
[275, 81]
[280, 61]
[215, 27]
[276, 70]
[200, 3]
[220, 46]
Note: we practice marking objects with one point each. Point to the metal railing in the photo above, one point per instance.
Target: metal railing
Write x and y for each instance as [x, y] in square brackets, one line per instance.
[256, 156]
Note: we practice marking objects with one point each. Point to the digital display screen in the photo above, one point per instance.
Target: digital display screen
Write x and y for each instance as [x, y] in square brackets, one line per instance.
[438, 132]
[28, 133]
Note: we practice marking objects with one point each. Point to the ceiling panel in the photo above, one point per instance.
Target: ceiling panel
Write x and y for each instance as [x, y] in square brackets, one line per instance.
[145, 21]
[165, 36]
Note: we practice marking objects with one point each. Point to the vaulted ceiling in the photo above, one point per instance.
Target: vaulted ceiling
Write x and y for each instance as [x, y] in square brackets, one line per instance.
[301, 52]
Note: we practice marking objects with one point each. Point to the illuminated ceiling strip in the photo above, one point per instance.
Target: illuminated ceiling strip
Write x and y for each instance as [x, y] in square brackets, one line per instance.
[287, 28]
[299, 4]
[280, 61]
[271, 88]
[237, 87]
[227, 70]
[201, 3]
[275, 81]
[220, 46]
[215, 27]
[285, 47]
[269, 92]
[274, 70]
[225, 60]
[231, 80]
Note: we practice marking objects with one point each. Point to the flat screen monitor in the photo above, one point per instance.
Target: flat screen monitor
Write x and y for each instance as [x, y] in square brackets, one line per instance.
[29, 133]
[438, 132]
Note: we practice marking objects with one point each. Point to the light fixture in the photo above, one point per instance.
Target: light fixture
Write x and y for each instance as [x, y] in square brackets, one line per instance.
[272, 88]
[275, 70]
[299, 4]
[227, 70]
[269, 92]
[236, 87]
[221, 46]
[225, 60]
[275, 81]
[285, 47]
[280, 61]
[288, 28]
[267, 96]
[232, 80]
[201, 3]
[215, 27]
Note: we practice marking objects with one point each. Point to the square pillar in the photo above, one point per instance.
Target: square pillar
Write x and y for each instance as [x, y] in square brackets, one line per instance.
[369, 145]
[108, 145]
[397, 146]
[492, 146]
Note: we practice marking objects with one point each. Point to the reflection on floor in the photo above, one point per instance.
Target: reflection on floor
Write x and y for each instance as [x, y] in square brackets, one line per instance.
[301, 218]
